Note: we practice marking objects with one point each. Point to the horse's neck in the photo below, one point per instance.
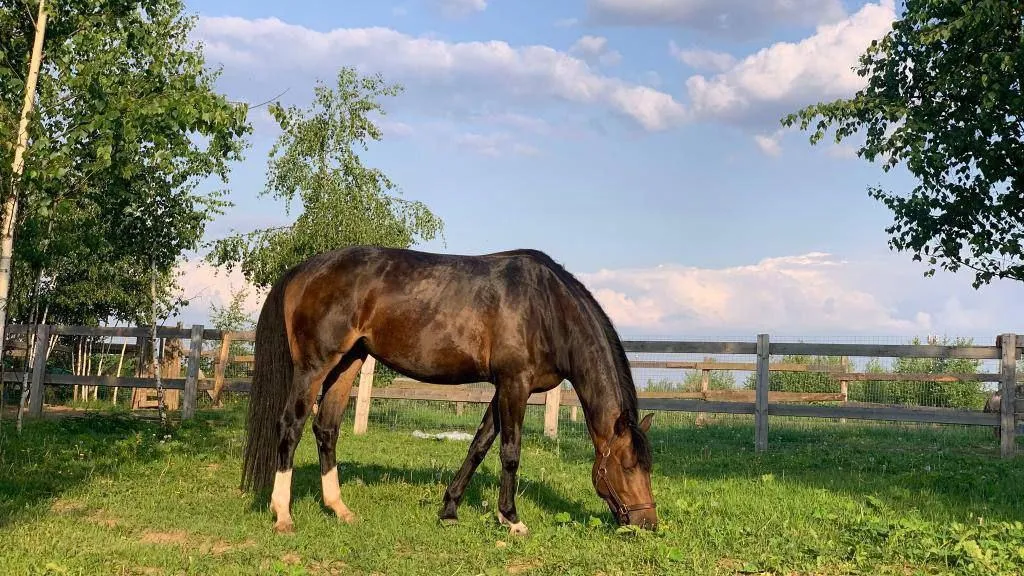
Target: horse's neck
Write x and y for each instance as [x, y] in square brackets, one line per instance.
[597, 388]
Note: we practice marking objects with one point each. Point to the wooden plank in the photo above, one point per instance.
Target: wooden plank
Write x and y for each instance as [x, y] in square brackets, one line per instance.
[1008, 389]
[739, 366]
[891, 413]
[35, 399]
[188, 405]
[688, 347]
[886, 350]
[761, 397]
[915, 377]
[681, 405]
[552, 404]
[126, 382]
[363, 396]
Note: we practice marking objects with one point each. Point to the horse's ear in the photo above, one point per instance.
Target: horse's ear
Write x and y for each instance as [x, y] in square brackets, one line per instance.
[645, 424]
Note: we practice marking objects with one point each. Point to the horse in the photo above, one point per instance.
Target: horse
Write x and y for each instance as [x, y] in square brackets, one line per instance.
[516, 319]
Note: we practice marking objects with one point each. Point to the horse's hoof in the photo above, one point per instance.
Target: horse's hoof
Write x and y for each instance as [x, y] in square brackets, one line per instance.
[449, 521]
[347, 517]
[514, 528]
[284, 527]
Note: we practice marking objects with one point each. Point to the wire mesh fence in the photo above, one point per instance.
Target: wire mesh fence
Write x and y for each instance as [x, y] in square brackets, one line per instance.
[948, 383]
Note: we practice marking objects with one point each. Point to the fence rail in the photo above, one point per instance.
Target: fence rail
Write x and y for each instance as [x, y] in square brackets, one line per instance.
[760, 401]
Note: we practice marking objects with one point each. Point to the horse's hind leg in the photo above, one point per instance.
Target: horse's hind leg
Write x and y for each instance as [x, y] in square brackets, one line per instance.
[485, 434]
[325, 428]
[305, 389]
[512, 395]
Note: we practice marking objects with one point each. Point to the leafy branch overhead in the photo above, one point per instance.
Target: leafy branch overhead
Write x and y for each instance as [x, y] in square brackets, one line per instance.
[315, 160]
[943, 97]
[127, 124]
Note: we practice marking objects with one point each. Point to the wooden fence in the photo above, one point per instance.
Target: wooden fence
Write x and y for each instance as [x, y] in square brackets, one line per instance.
[759, 402]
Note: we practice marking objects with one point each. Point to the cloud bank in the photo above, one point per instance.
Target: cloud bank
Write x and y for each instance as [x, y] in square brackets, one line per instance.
[809, 295]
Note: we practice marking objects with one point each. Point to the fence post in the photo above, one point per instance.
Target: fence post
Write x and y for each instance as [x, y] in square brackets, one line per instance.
[219, 368]
[362, 419]
[761, 398]
[552, 404]
[705, 378]
[35, 398]
[844, 385]
[188, 403]
[1008, 390]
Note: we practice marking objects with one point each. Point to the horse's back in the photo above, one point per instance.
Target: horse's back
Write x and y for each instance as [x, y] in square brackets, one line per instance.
[435, 317]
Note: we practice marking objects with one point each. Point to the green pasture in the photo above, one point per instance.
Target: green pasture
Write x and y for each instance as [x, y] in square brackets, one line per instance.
[111, 494]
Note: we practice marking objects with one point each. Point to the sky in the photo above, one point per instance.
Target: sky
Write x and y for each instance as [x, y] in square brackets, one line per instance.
[637, 142]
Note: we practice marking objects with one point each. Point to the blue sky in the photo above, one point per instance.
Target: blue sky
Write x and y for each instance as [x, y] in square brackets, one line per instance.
[638, 142]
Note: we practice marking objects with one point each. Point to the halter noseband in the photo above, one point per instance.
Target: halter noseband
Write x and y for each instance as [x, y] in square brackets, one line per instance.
[620, 509]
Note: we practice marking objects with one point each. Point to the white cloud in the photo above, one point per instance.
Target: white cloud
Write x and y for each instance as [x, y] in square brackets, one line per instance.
[466, 72]
[594, 49]
[459, 8]
[810, 294]
[204, 285]
[702, 59]
[733, 17]
[787, 75]
[769, 144]
[493, 144]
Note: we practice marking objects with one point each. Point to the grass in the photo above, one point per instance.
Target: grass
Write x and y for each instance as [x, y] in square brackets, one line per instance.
[109, 494]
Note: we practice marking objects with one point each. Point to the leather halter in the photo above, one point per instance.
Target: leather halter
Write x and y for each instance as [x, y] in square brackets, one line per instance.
[621, 510]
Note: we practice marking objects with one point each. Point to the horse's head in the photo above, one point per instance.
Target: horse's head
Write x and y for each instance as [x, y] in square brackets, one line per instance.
[622, 474]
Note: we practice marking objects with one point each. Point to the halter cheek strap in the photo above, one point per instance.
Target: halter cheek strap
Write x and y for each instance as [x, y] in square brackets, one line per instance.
[621, 510]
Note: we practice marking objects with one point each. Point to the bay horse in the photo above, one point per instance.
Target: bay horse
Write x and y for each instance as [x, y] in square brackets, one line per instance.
[516, 319]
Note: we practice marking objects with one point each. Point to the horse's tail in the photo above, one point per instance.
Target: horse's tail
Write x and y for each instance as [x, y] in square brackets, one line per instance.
[271, 385]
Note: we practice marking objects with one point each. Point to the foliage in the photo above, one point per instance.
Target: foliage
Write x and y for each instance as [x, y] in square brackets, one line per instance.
[815, 380]
[92, 497]
[943, 96]
[717, 380]
[960, 394]
[126, 125]
[344, 202]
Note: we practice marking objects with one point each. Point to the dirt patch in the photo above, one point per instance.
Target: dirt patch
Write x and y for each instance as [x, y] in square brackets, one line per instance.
[166, 538]
[523, 566]
[147, 570]
[328, 568]
[291, 558]
[102, 518]
[66, 506]
[218, 547]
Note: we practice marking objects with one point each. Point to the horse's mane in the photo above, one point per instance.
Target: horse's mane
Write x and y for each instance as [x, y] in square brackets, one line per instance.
[624, 377]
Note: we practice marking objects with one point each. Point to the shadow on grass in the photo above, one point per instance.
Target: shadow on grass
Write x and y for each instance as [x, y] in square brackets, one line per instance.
[946, 473]
[53, 456]
[306, 484]
[949, 472]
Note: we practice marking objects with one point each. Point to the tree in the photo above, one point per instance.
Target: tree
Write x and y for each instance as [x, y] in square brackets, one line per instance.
[126, 125]
[815, 380]
[717, 380]
[344, 202]
[943, 95]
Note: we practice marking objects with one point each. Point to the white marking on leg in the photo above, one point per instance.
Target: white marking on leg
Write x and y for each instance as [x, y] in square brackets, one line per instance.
[332, 496]
[280, 500]
[514, 528]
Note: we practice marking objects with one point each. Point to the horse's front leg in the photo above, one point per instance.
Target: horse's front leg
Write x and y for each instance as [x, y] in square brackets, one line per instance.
[512, 399]
[485, 434]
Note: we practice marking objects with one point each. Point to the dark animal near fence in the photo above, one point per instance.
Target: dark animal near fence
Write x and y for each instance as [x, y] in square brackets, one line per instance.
[516, 319]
